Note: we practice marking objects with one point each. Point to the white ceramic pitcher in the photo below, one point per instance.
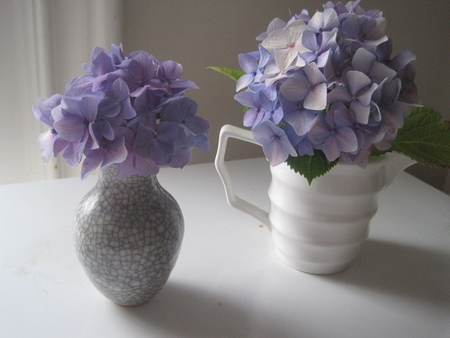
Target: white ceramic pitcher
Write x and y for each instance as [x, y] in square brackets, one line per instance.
[316, 228]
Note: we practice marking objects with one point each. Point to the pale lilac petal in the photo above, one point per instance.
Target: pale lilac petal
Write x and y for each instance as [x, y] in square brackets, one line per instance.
[60, 145]
[309, 41]
[300, 121]
[109, 107]
[277, 39]
[380, 72]
[197, 125]
[322, 59]
[347, 139]
[377, 32]
[285, 57]
[363, 60]
[102, 63]
[316, 98]
[116, 152]
[331, 148]
[317, 21]
[170, 70]
[127, 110]
[46, 141]
[319, 130]
[74, 152]
[305, 147]
[245, 98]
[341, 115]
[274, 25]
[401, 60]
[244, 81]
[314, 74]
[295, 88]
[117, 54]
[309, 57]
[339, 94]
[135, 164]
[357, 81]
[168, 131]
[107, 131]
[180, 157]
[201, 143]
[330, 19]
[120, 89]
[71, 128]
[275, 143]
[252, 118]
[328, 40]
[91, 162]
[247, 63]
[366, 97]
[361, 112]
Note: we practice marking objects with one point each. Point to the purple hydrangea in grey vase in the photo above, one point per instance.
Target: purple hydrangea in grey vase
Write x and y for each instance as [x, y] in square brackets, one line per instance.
[128, 116]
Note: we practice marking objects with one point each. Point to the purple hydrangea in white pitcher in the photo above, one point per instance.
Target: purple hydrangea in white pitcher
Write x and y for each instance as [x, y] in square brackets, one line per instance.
[335, 113]
[325, 86]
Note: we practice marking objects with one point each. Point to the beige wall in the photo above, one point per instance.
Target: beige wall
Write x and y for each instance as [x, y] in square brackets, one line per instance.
[200, 33]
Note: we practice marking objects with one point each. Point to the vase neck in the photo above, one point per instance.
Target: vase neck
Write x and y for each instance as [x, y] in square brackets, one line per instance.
[108, 177]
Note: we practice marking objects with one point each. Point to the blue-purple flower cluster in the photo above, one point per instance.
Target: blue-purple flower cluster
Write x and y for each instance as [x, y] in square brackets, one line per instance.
[125, 110]
[326, 82]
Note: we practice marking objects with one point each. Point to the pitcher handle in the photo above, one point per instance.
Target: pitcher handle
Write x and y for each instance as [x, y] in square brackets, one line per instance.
[233, 200]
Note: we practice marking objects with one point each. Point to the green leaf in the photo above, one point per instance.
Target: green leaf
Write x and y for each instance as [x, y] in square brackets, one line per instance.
[232, 73]
[424, 138]
[311, 167]
[377, 152]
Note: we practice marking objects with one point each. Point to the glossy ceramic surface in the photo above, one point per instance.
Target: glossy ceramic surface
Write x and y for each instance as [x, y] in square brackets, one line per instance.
[317, 228]
[127, 236]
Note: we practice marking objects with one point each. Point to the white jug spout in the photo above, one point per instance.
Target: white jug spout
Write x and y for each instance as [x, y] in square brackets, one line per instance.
[395, 164]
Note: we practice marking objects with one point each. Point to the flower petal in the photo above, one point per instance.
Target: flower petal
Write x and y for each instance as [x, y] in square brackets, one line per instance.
[316, 98]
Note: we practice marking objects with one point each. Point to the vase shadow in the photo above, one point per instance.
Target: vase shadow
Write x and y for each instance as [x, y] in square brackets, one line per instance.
[402, 270]
[181, 310]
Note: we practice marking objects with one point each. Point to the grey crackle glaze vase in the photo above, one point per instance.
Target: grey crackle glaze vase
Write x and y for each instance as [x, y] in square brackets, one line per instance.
[127, 236]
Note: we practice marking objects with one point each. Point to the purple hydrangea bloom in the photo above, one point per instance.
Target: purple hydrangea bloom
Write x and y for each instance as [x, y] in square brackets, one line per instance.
[47, 140]
[167, 79]
[274, 25]
[275, 143]
[184, 112]
[110, 151]
[128, 110]
[297, 116]
[249, 64]
[308, 86]
[309, 65]
[364, 29]
[334, 132]
[357, 91]
[263, 106]
[325, 21]
[318, 52]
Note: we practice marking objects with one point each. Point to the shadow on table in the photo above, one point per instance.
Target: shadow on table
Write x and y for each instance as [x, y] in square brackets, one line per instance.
[402, 270]
[183, 311]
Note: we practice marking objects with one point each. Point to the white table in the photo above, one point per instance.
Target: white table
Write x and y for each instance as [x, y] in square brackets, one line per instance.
[228, 281]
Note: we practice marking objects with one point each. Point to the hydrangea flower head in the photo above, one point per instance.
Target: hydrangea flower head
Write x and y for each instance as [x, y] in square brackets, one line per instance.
[127, 110]
[334, 86]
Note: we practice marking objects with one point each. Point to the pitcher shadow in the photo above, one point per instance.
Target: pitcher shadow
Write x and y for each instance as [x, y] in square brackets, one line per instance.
[399, 269]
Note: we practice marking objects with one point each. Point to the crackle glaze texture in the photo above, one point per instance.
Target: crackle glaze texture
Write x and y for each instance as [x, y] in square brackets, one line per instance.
[127, 236]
